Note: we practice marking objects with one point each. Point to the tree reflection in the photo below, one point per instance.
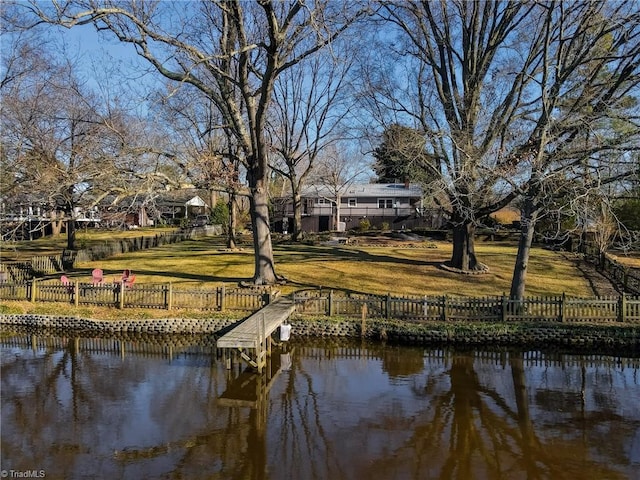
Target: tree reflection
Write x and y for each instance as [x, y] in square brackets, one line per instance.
[471, 430]
[367, 411]
[66, 390]
[304, 444]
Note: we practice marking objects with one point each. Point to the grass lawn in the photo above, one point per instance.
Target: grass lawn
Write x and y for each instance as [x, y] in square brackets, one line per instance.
[631, 260]
[396, 269]
[25, 249]
[416, 271]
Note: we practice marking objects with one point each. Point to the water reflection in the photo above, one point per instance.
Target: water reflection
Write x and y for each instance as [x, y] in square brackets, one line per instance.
[167, 407]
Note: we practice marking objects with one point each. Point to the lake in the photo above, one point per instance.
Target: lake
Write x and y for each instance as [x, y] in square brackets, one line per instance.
[161, 407]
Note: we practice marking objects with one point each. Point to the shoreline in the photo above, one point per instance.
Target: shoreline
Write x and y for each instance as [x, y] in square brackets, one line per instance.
[593, 337]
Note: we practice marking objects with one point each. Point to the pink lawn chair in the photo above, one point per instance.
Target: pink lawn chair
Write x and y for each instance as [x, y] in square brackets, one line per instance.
[129, 281]
[97, 276]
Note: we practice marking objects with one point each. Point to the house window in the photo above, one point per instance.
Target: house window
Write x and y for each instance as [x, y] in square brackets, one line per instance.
[385, 203]
[352, 202]
[321, 201]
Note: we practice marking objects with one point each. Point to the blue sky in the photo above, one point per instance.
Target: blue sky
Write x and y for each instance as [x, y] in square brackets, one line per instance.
[103, 58]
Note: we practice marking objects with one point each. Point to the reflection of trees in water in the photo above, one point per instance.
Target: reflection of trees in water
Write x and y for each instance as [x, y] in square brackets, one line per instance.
[468, 428]
[473, 431]
[304, 445]
[460, 423]
[570, 409]
[70, 394]
[67, 391]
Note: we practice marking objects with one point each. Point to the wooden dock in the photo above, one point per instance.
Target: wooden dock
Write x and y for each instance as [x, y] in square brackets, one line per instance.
[252, 337]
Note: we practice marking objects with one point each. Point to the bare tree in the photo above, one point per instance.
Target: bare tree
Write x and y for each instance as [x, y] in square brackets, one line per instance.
[205, 152]
[231, 51]
[65, 149]
[336, 170]
[586, 118]
[467, 66]
[310, 104]
[485, 91]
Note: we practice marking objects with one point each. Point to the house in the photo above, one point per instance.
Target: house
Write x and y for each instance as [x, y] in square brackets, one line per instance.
[144, 210]
[183, 203]
[397, 205]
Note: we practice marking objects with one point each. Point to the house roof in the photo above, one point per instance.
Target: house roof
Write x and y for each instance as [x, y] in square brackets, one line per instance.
[188, 196]
[178, 198]
[378, 190]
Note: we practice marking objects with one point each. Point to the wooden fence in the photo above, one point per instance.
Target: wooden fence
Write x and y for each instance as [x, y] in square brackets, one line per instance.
[500, 308]
[626, 278]
[560, 308]
[159, 296]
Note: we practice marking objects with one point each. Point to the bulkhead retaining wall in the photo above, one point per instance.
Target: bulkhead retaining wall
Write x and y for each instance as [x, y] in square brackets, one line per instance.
[590, 336]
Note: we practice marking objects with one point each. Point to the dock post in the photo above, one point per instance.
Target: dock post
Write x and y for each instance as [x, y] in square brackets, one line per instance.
[262, 344]
[222, 292]
[226, 358]
[363, 325]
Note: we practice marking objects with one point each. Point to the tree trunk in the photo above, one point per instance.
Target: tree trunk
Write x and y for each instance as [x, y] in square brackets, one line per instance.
[519, 278]
[56, 223]
[71, 233]
[296, 235]
[233, 220]
[265, 273]
[464, 254]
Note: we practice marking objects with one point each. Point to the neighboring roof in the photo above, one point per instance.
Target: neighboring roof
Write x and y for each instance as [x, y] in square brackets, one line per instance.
[367, 190]
[188, 196]
[172, 198]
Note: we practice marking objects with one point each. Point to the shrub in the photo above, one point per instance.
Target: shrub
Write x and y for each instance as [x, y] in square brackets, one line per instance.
[220, 214]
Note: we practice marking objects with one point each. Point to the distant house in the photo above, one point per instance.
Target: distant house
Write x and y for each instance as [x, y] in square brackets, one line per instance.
[399, 206]
[146, 210]
[184, 203]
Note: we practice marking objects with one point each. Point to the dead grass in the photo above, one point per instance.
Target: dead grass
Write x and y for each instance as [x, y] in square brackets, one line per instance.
[108, 313]
[395, 269]
[506, 216]
[415, 271]
[25, 249]
[631, 260]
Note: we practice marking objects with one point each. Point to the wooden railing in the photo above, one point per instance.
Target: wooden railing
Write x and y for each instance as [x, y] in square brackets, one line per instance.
[626, 278]
[499, 308]
[159, 296]
[16, 272]
[559, 308]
